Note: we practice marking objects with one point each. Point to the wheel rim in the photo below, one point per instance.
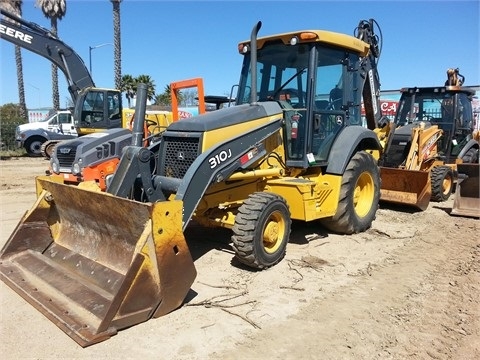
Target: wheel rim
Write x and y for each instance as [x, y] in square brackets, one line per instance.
[446, 184]
[35, 147]
[49, 150]
[274, 232]
[363, 194]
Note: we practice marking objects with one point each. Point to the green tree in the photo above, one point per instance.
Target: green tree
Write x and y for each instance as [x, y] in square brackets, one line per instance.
[147, 80]
[165, 98]
[128, 87]
[15, 7]
[54, 10]
[10, 116]
[117, 43]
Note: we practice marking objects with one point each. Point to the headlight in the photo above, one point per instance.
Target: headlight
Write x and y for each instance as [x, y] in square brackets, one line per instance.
[55, 167]
[76, 169]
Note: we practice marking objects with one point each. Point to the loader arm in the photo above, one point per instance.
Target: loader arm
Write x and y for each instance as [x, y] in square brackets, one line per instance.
[40, 41]
[205, 170]
[241, 151]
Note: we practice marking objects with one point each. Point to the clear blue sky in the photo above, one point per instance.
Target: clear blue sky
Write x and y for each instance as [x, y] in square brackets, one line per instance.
[174, 40]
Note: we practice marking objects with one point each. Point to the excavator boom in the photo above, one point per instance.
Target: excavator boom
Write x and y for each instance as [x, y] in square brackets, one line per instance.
[39, 40]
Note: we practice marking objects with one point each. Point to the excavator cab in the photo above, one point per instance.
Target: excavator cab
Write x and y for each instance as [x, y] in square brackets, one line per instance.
[97, 110]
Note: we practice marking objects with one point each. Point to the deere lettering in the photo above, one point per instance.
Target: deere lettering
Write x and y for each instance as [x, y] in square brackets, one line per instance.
[16, 34]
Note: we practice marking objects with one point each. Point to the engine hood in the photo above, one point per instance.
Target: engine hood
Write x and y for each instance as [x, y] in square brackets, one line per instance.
[227, 117]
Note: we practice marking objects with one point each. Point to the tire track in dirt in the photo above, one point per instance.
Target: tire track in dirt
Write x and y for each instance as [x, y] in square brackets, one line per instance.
[421, 302]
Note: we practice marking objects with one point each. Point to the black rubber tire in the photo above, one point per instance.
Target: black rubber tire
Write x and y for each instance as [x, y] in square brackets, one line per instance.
[33, 145]
[359, 196]
[261, 230]
[48, 148]
[471, 156]
[442, 183]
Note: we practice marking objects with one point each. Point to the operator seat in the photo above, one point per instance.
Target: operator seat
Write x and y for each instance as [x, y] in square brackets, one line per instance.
[336, 98]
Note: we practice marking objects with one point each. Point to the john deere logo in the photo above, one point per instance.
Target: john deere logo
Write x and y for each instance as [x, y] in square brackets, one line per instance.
[64, 151]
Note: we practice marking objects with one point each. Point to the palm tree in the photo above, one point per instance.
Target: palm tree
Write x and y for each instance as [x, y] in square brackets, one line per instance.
[128, 86]
[54, 10]
[147, 80]
[117, 43]
[165, 98]
[15, 7]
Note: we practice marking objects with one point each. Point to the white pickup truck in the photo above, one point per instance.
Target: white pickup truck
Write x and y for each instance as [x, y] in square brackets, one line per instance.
[58, 126]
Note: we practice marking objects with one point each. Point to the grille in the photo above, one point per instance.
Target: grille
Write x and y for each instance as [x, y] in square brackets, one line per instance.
[66, 156]
[178, 154]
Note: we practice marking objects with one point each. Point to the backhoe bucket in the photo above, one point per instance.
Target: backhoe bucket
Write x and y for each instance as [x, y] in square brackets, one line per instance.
[466, 201]
[407, 187]
[94, 263]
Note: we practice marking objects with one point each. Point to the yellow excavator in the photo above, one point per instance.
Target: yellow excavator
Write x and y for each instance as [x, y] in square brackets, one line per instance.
[96, 262]
[432, 133]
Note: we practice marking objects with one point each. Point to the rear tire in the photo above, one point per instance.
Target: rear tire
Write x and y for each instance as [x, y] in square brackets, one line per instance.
[48, 148]
[261, 230]
[471, 156]
[359, 196]
[442, 183]
[33, 145]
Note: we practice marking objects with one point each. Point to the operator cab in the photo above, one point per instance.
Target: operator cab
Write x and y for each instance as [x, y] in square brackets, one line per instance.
[308, 81]
[451, 110]
[98, 110]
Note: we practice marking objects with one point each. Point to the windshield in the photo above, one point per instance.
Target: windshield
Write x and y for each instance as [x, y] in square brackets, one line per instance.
[452, 112]
[445, 109]
[282, 73]
[287, 74]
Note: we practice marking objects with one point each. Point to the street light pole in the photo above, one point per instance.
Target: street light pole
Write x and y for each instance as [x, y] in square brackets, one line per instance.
[38, 93]
[90, 48]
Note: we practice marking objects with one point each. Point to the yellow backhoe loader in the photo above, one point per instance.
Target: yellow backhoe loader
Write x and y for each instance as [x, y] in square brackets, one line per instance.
[95, 262]
[431, 134]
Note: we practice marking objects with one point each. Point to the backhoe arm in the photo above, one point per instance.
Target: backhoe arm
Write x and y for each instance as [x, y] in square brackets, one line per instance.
[368, 67]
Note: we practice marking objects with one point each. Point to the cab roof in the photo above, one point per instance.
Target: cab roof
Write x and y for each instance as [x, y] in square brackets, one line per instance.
[321, 36]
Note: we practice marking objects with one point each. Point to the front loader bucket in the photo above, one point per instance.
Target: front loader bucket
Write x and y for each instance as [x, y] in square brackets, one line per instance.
[466, 201]
[407, 187]
[94, 263]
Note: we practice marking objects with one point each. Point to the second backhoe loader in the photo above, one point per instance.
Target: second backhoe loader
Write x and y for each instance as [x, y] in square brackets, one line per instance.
[432, 133]
[95, 262]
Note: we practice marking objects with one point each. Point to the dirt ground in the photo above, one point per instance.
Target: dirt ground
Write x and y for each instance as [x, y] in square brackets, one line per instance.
[408, 288]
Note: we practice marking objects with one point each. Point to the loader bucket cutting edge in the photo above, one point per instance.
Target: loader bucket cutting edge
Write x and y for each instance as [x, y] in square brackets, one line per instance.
[466, 201]
[407, 187]
[94, 263]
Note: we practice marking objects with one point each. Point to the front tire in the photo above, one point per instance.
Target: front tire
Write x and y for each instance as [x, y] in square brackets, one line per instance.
[261, 230]
[442, 183]
[359, 196]
[34, 145]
